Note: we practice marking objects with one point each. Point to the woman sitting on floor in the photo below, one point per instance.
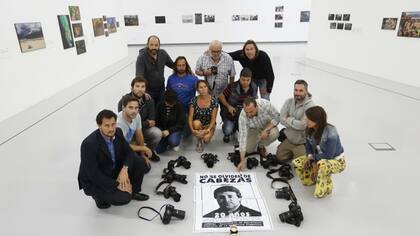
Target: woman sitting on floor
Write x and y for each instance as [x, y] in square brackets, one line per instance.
[324, 153]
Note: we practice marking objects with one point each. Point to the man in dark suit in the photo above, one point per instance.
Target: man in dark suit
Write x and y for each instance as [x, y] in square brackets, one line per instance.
[109, 170]
[229, 200]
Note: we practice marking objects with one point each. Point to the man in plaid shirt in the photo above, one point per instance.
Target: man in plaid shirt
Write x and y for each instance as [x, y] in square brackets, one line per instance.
[217, 67]
[257, 127]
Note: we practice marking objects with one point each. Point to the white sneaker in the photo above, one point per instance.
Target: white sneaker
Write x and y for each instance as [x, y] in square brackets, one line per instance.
[176, 148]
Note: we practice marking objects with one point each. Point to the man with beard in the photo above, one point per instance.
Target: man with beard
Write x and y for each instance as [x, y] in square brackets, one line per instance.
[229, 199]
[109, 170]
[292, 116]
[216, 66]
[150, 64]
[260, 64]
[151, 133]
[129, 122]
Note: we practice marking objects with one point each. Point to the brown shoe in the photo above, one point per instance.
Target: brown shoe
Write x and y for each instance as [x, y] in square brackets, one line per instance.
[263, 153]
[199, 148]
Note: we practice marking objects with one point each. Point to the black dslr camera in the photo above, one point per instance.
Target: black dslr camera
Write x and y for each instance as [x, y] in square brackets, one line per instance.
[171, 176]
[213, 70]
[210, 159]
[171, 211]
[270, 161]
[182, 161]
[235, 157]
[283, 193]
[293, 216]
[170, 191]
[171, 165]
[251, 162]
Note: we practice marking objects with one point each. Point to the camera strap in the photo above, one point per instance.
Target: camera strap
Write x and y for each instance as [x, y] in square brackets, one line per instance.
[159, 185]
[283, 180]
[284, 172]
[152, 209]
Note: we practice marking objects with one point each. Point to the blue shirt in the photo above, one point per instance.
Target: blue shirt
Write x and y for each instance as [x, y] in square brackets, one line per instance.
[184, 87]
[110, 144]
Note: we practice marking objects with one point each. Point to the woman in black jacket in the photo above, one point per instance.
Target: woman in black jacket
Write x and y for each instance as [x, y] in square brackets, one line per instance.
[170, 118]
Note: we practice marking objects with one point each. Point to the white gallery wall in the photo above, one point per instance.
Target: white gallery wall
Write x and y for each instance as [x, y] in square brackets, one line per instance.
[366, 48]
[224, 29]
[31, 77]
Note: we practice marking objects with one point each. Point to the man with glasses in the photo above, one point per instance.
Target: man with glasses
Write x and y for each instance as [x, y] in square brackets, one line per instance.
[217, 67]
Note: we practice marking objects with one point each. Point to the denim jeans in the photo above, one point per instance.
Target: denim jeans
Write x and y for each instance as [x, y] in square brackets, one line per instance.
[171, 140]
[262, 86]
[228, 127]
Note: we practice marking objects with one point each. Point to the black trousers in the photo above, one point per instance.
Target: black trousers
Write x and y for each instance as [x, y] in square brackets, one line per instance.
[117, 197]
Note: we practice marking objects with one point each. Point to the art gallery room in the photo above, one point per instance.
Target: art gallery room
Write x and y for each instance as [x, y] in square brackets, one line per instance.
[62, 63]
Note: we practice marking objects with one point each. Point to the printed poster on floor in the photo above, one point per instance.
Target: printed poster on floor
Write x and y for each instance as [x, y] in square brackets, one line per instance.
[225, 199]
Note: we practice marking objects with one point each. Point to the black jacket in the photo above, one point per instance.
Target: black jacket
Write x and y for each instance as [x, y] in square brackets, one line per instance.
[261, 66]
[146, 110]
[174, 121]
[96, 163]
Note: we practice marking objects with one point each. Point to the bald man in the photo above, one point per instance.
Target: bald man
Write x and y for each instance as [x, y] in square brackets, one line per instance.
[217, 67]
[150, 64]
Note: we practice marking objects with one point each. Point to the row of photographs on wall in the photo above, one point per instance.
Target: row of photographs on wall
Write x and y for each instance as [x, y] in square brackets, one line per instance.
[31, 37]
[341, 26]
[339, 17]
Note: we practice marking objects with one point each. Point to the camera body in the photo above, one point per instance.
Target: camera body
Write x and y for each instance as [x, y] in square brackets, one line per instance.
[171, 211]
[251, 162]
[182, 161]
[270, 161]
[171, 176]
[210, 159]
[294, 216]
[213, 70]
[283, 193]
[170, 191]
[171, 165]
[235, 157]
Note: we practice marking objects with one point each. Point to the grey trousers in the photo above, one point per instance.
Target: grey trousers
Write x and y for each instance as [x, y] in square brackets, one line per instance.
[287, 150]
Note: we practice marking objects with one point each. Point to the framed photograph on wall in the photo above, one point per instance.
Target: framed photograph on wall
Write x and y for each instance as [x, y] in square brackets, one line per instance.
[340, 26]
[186, 19]
[389, 23]
[198, 18]
[131, 20]
[77, 30]
[338, 17]
[30, 36]
[160, 19]
[333, 25]
[74, 13]
[80, 47]
[346, 17]
[409, 24]
[112, 24]
[304, 16]
[98, 27]
[331, 16]
[279, 8]
[236, 17]
[278, 17]
[65, 30]
[278, 24]
[348, 26]
[209, 18]
[253, 17]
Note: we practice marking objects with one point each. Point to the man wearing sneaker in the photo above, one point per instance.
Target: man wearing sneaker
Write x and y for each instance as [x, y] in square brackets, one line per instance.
[232, 99]
[292, 116]
[129, 122]
[109, 170]
[257, 127]
[151, 133]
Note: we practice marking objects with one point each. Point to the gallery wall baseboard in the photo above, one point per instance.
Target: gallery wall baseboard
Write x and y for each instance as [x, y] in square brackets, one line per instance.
[391, 86]
[19, 123]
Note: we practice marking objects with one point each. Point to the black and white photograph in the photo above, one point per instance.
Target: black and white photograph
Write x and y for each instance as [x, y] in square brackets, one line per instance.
[340, 26]
[389, 23]
[30, 36]
[187, 19]
[348, 26]
[278, 17]
[198, 18]
[223, 198]
[209, 18]
[305, 16]
[131, 20]
[253, 17]
[160, 20]
[245, 17]
[333, 25]
[331, 16]
[338, 17]
[346, 17]
[279, 8]
[236, 17]
[278, 24]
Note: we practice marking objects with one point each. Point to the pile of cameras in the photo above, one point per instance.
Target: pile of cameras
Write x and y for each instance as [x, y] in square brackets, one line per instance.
[169, 176]
[294, 215]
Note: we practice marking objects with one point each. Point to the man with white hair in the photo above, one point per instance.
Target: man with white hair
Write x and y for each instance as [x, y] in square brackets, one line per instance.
[217, 67]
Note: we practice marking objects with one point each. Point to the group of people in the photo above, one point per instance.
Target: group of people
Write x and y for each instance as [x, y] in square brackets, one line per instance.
[153, 118]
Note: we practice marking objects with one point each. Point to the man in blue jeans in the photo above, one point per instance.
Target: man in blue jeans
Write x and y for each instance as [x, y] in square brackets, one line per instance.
[232, 99]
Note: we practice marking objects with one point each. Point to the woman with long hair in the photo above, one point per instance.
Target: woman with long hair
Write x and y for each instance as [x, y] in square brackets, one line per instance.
[324, 153]
[202, 115]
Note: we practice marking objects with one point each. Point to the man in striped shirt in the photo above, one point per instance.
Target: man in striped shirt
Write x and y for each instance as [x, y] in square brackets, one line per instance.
[257, 127]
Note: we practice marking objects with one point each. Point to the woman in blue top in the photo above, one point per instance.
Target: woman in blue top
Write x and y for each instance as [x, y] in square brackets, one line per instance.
[324, 153]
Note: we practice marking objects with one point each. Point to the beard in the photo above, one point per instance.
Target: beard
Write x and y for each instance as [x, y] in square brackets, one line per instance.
[153, 52]
[299, 98]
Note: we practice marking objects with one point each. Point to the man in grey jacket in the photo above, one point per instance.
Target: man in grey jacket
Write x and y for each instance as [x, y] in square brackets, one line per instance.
[150, 64]
[292, 117]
